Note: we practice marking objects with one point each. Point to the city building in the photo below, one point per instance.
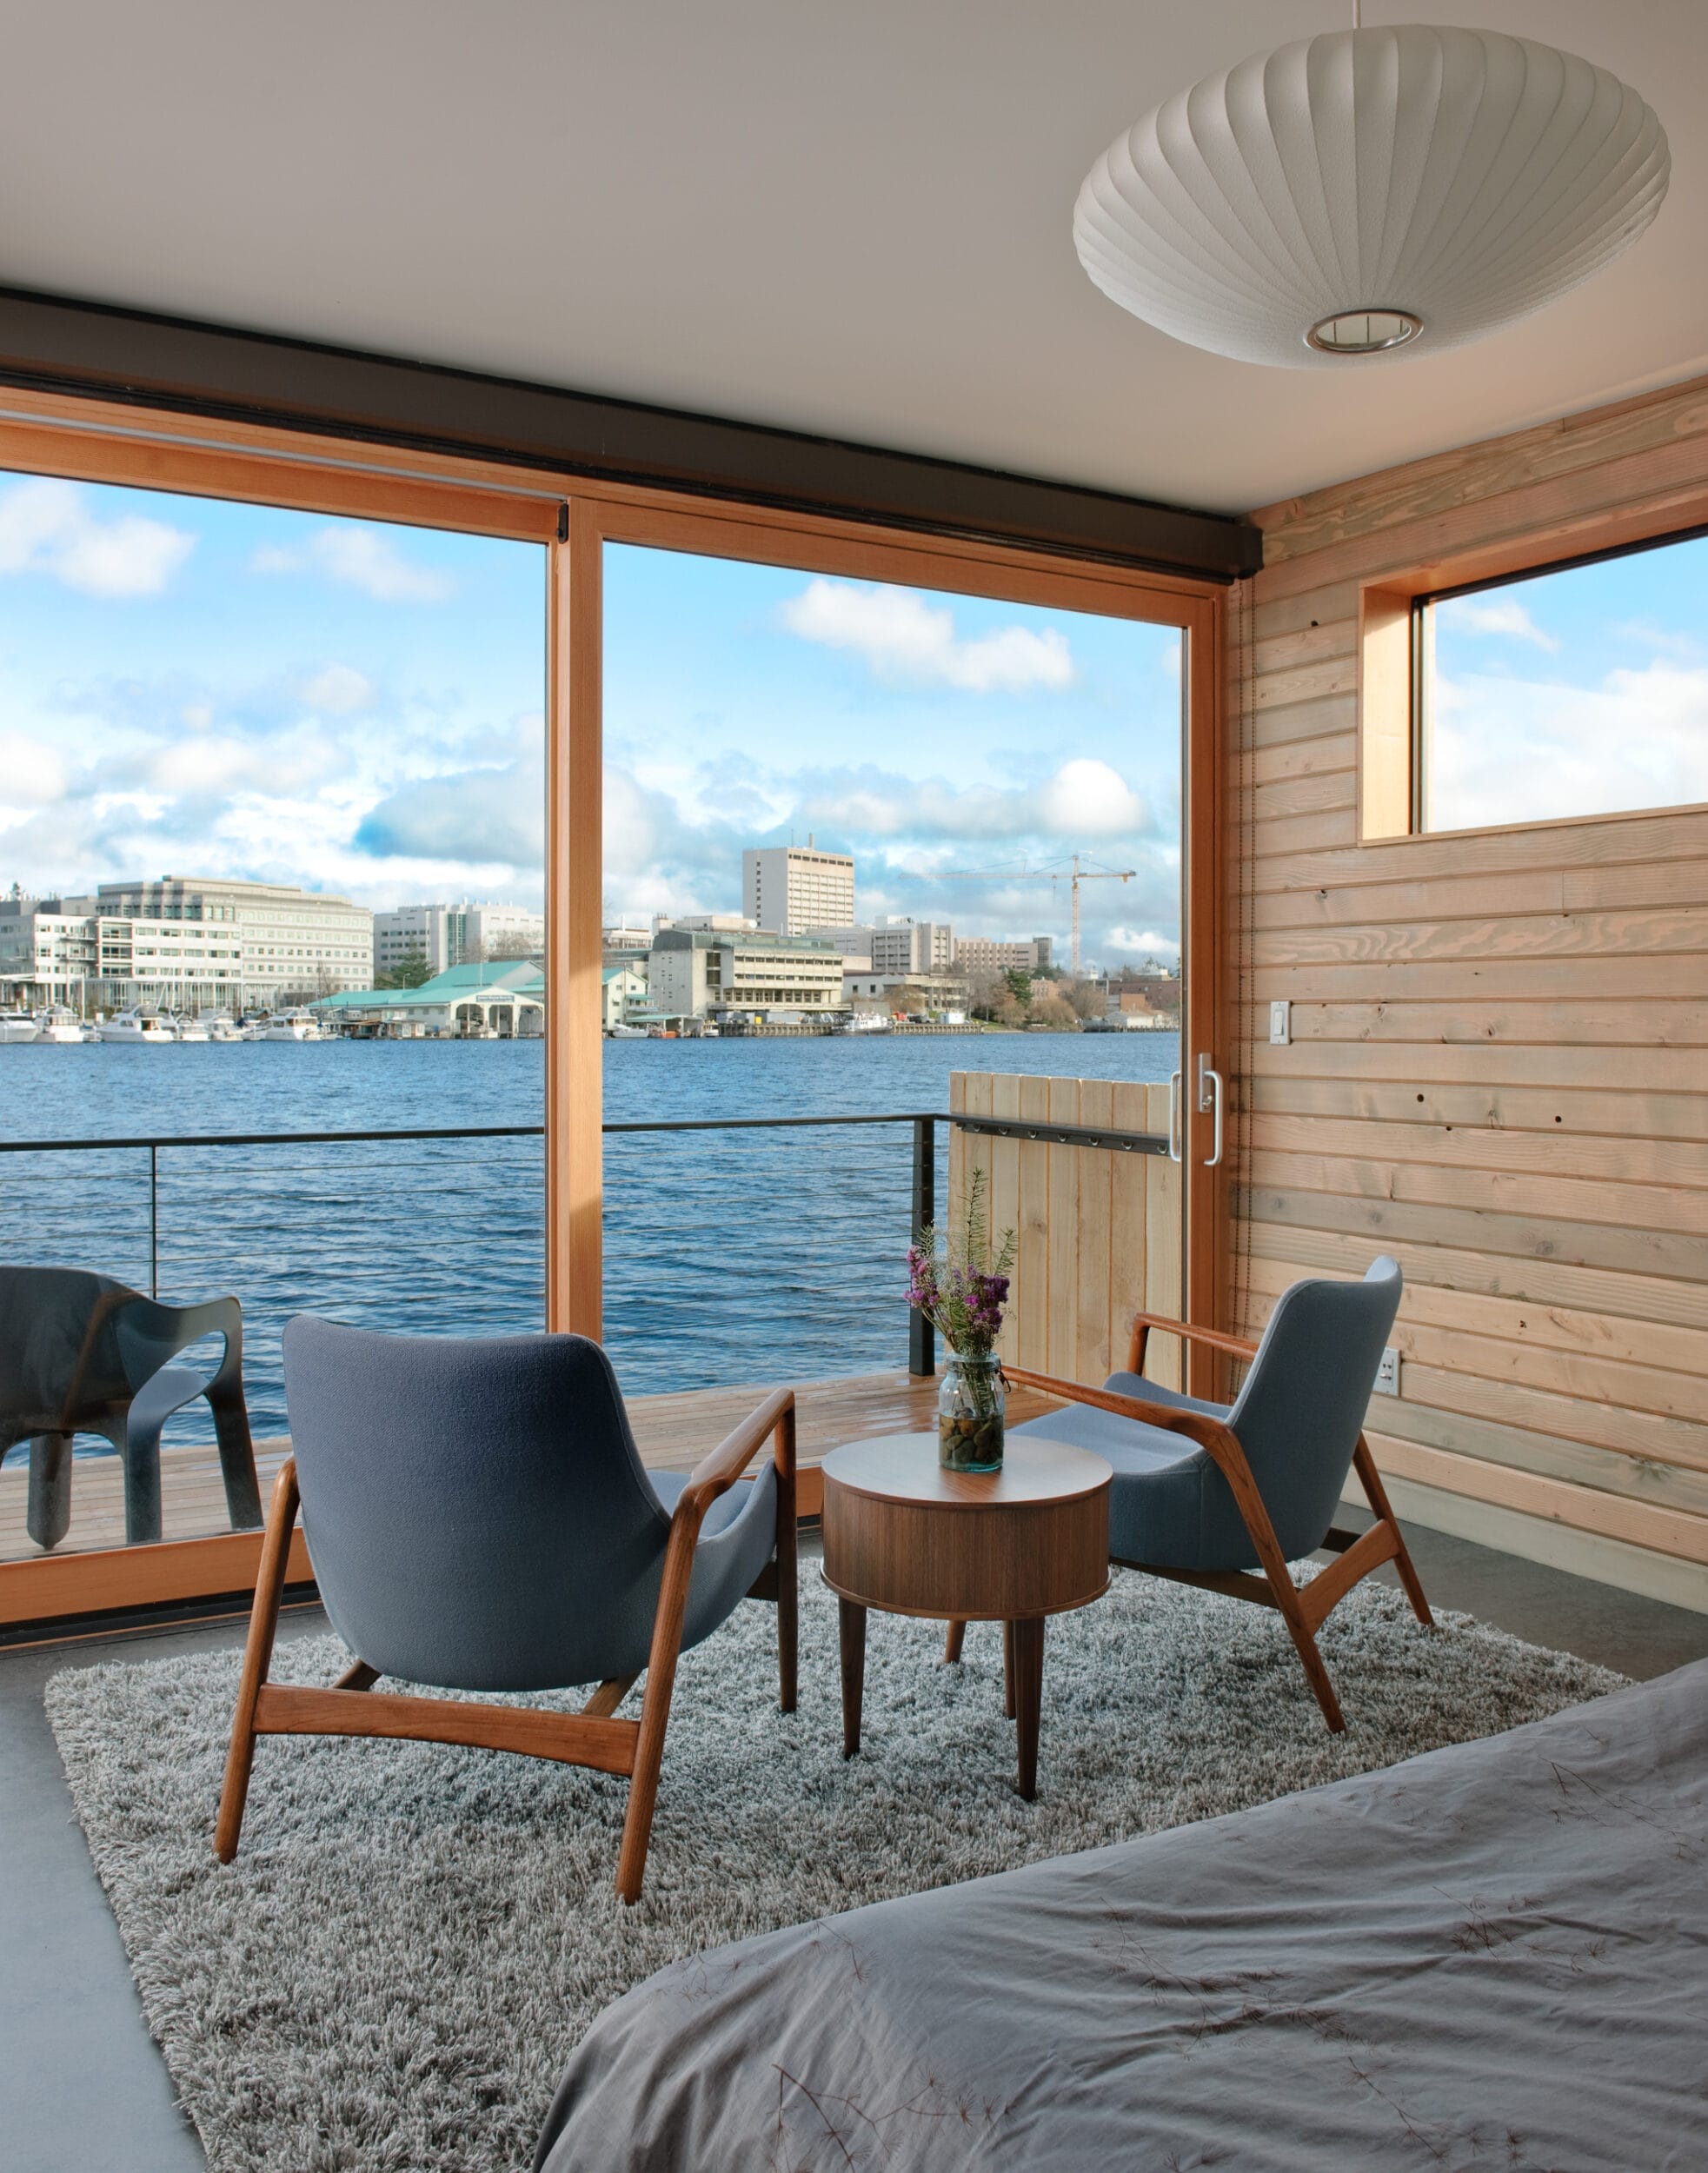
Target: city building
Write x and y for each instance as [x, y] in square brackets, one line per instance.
[503, 1000]
[622, 991]
[1155, 992]
[938, 994]
[187, 943]
[855, 942]
[708, 972]
[797, 889]
[460, 934]
[978, 954]
[623, 945]
[903, 946]
[48, 949]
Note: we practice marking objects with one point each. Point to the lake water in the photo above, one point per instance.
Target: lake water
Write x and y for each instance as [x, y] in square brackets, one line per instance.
[729, 1256]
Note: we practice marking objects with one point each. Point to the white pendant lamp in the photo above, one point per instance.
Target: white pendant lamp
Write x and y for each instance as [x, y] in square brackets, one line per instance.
[1369, 190]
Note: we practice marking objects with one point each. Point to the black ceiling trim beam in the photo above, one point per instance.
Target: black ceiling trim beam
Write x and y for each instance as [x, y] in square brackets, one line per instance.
[53, 344]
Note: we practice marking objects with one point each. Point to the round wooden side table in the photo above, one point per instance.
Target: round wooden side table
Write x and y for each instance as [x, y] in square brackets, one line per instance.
[1014, 1546]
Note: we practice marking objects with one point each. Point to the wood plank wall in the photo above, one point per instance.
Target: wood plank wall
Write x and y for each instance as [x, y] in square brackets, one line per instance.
[1098, 1231]
[1500, 1039]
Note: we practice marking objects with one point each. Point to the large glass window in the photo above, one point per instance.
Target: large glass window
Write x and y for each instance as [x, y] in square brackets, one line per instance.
[271, 847]
[1579, 690]
[860, 835]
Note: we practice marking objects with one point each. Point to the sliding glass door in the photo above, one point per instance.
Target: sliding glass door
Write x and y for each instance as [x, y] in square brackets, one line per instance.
[897, 886]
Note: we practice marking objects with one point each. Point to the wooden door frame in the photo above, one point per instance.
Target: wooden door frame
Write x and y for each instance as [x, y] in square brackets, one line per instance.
[101, 441]
[664, 521]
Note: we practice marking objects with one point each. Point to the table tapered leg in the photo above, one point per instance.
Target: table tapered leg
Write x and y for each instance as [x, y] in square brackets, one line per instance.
[851, 1621]
[1008, 1670]
[1028, 1640]
[952, 1643]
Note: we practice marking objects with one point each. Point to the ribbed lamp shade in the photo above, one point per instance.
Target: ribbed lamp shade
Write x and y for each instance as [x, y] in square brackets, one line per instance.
[1409, 187]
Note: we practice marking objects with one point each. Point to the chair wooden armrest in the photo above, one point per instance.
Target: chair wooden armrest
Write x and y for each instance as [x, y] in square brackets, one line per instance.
[1212, 1338]
[720, 1468]
[1197, 1426]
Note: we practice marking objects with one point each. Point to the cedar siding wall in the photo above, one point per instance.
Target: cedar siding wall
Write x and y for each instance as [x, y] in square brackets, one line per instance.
[1500, 1039]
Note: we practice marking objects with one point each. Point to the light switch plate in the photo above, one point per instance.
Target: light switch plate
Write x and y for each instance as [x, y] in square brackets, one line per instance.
[1387, 1374]
[1280, 1023]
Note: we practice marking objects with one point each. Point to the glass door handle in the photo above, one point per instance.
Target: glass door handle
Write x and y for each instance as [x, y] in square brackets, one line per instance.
[1174, 1116]
[1212, 1094]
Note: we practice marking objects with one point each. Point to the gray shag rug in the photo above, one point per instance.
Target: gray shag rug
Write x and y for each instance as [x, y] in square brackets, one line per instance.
[393, 1973]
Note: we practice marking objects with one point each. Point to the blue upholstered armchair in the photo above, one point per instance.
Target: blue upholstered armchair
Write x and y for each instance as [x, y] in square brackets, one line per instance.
[1206, 1493]
[479, 1519]
[81, 1354]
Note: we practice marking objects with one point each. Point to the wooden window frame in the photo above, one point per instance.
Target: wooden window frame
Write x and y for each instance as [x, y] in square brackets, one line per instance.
[100, 442]
[1393, 667]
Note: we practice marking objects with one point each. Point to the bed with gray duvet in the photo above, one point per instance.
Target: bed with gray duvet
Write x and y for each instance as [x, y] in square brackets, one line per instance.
[1494, 1955]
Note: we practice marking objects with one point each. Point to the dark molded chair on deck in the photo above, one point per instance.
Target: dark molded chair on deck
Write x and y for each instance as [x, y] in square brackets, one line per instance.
[81, 1354]
[479, 1519]
[1207, 1494]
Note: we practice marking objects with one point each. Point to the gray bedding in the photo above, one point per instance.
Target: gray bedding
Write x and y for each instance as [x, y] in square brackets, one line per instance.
[1492, 1956]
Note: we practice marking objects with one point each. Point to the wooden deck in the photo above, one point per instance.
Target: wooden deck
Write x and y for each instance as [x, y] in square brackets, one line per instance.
[673, 1431]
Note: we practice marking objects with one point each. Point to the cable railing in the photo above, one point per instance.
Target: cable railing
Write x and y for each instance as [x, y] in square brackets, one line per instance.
[750, 1261]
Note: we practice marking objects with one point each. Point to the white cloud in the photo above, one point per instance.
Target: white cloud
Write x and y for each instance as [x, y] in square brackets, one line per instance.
[363, 558]
[1086, 798]
[903, 636]
[1142, 943]
[31, 775]
[339, 689]
[210, 762]
[1520, 751]
[46, 527]
[1501, 615]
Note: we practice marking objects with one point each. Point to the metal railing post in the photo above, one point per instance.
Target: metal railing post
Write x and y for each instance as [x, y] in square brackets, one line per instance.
[921, 1340]
[154, 1221]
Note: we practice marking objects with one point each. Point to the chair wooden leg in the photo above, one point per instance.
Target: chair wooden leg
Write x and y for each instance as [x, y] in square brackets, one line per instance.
[1377, 1495]
[1230, 1460]
[257, 1657]
[667, 1645]
[953, 1642]
[47, 1516]
[357, 1675]
[788, 1592]
[1316, 1673]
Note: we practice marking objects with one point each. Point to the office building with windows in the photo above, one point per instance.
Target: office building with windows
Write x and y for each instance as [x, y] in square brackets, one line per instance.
[460, 934]
[797, 889]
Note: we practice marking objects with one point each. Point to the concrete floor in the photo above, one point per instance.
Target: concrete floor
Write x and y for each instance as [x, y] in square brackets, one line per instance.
[81, 2082]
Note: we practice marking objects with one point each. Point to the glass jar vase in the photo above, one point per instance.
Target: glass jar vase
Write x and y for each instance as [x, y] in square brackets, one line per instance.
[971, 1401]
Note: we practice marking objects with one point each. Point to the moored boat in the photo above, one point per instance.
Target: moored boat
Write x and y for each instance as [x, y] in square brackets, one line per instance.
[59, 1023]
[299, 1025]
[138, 1026]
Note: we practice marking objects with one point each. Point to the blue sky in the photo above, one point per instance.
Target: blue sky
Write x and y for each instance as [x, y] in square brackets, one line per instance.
[1573, 693]
[193, 686]
[922, 733]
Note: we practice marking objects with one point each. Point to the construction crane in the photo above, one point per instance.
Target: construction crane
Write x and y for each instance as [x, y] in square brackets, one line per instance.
[1074, 875]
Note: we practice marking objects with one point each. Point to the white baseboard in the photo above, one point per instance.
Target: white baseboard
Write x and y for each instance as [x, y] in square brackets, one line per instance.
[1634, 1569]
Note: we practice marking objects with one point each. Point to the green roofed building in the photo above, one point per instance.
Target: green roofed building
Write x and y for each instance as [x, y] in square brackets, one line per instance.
[504, 1000]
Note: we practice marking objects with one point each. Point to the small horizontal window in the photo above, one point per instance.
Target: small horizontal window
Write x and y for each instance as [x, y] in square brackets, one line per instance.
[1580, 690]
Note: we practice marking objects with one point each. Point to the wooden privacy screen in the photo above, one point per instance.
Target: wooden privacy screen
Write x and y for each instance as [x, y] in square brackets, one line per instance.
[1498, 1065]
[1100, 1230]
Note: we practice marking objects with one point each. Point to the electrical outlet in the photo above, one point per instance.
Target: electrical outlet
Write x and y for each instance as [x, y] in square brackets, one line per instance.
[1280, 1023]
[1387, 1374]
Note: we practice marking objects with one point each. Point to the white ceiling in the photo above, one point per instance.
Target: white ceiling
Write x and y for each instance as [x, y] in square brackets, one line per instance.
[849, 217]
